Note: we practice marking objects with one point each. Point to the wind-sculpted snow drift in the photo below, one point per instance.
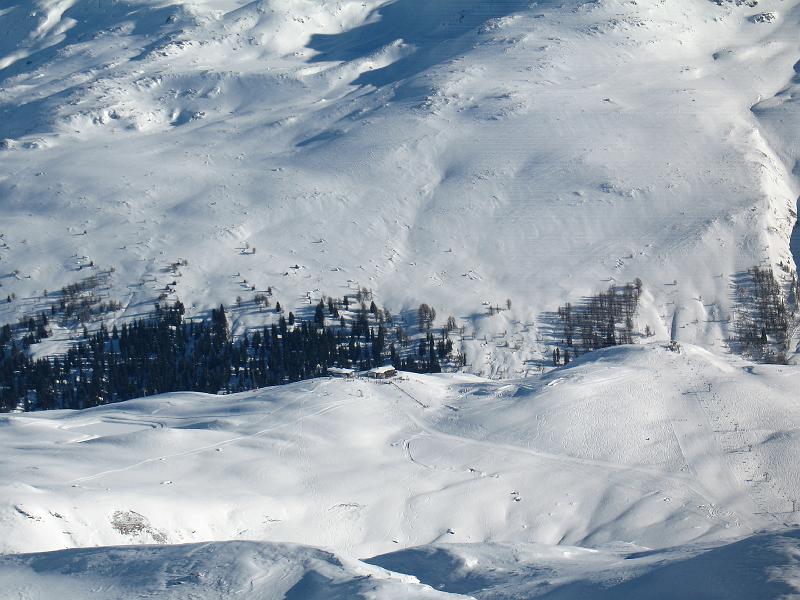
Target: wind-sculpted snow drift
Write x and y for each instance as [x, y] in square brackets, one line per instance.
[459, 153]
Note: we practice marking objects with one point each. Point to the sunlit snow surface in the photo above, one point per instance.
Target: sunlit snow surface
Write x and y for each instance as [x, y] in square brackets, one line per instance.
[626, 470]
[452, 152]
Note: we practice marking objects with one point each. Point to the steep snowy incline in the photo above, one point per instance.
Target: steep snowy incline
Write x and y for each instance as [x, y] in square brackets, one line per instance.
[448, 152]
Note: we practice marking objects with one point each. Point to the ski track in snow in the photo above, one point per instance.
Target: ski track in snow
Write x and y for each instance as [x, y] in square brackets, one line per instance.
[563, 460]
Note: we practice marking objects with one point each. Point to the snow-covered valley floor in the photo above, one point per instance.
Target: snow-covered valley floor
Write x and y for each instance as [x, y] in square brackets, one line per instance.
[635, 468]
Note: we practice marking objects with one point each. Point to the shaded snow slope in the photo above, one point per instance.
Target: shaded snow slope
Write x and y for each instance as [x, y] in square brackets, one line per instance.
[640, 445]
[208, 571]
[448, 152]
[763, 566]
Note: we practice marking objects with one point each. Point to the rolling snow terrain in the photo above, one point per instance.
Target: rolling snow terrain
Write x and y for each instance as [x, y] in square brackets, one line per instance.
[599, 477]
[453, 152]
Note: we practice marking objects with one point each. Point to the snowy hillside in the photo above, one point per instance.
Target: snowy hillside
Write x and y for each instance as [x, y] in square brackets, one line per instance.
[499, 160]
[453, 152]
[605, 457]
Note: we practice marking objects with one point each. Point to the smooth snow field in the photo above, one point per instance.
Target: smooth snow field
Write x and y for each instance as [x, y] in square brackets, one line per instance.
[462, 153]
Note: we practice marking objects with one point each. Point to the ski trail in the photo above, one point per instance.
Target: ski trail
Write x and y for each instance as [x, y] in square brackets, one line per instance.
[687, 482]
[706, 460]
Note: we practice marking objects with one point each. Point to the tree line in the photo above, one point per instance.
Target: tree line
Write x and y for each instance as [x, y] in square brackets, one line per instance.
[761, 326]
[599, 321]
[166, 352]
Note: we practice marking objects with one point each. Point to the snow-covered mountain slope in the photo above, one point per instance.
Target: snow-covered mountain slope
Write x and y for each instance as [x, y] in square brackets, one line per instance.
[453, 152]
[638, 448]
[456, 152]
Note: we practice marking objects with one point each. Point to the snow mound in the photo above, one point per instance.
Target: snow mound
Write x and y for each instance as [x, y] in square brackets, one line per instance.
[214, 570]
[763, 566]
